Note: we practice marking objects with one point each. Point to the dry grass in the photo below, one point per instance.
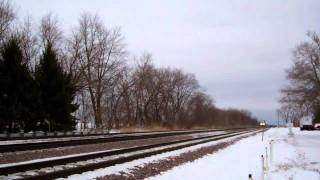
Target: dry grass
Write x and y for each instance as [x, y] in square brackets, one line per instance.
[165, 128]
[151, 128]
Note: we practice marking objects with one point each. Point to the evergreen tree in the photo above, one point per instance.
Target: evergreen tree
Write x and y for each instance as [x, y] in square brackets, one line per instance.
[57, 93]
[17, 88]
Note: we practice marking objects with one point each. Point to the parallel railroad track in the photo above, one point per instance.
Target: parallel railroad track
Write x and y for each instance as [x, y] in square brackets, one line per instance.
[65, 166]
[13, 147]
[88, 134]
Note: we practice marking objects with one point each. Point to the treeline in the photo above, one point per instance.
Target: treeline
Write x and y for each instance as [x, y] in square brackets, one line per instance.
[51, 80]
[301, 97]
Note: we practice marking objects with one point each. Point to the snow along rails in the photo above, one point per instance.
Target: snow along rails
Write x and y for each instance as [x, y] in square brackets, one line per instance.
[35, 144]
[74, 134]
[75, 164]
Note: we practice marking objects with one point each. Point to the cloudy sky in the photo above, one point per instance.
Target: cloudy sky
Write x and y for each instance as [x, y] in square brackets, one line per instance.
[238, 49]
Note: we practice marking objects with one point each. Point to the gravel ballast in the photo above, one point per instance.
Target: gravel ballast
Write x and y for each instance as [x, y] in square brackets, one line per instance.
[156, 167]
[12, 157]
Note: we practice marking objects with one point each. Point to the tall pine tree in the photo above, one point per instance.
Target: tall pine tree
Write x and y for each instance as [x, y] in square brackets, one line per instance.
[17, 89]
[57, 93]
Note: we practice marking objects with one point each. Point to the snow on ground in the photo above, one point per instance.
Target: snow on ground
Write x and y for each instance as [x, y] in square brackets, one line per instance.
[10, 142]
[126, 166]
[47, 159]
[296, 158]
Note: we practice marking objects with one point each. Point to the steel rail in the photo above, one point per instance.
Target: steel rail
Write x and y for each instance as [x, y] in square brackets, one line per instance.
[65, 172]
[92, 133]
[103, 139]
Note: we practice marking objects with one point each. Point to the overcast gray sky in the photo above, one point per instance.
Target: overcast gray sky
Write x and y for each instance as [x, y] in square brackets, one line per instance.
[238, 49]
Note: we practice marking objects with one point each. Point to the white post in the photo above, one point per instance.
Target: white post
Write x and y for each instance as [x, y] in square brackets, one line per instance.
[271, 151]
[290, 129]
[262, 163]
[266, 161]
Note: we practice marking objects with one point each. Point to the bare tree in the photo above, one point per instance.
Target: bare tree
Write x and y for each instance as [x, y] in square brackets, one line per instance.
[303, 92]
[99, 54]
[113, 94]
[50, 31]
[7, 16]
[290, 113]
[29, 42]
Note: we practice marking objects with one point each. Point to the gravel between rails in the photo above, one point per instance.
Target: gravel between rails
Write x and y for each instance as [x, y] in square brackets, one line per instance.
[12, 157]
[156, 167]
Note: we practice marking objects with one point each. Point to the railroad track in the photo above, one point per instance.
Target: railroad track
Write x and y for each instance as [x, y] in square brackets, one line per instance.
[60, 142]
[87, 134]
[76, 164]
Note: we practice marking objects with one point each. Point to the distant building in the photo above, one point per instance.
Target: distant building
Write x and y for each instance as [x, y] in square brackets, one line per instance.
[306, 123]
